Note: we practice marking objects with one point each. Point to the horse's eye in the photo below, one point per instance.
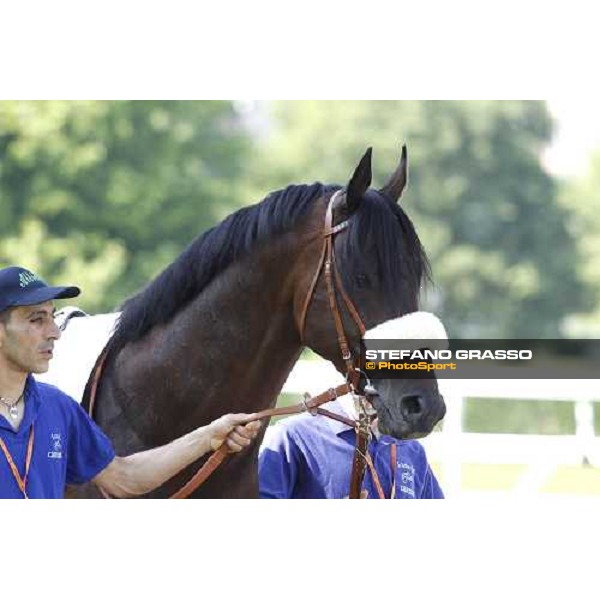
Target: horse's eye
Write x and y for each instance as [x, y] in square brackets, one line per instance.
[363, 281]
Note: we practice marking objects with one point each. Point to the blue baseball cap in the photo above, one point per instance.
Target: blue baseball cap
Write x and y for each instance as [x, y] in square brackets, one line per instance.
[20, 287]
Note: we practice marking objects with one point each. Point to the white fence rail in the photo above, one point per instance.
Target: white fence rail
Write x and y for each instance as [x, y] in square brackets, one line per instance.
[453, 446]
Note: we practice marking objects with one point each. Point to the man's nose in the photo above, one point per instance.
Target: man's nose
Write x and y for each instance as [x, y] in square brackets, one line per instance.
[54, 332]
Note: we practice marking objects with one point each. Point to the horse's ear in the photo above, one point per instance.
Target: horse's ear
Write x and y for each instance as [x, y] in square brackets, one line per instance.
[394, 187]
[359, 182]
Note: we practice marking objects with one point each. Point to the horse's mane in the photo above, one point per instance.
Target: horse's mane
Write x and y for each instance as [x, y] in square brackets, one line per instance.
[401, 259]
[210, 254]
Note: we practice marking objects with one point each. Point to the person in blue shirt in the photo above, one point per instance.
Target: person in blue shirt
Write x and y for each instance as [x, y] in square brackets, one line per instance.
[46, 439]
[308, 456]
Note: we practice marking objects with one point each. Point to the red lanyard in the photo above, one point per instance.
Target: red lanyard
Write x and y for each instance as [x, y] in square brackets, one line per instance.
[376, 481]
[21, 481]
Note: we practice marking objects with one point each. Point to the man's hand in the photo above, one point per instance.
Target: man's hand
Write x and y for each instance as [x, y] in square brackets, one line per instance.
[230, 429]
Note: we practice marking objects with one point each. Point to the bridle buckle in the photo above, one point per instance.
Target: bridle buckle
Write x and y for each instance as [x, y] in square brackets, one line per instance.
[306, 398]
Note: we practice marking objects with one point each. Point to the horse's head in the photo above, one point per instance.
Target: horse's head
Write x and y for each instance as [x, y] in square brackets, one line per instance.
[417, 406]
[382, 266]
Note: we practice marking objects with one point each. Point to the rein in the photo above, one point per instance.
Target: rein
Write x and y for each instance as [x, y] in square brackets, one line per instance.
[310, 404]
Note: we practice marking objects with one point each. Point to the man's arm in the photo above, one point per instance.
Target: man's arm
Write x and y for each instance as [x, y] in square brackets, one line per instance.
[140, 473]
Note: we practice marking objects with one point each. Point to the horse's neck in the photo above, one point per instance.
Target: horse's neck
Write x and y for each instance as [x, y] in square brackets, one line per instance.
[230, 350]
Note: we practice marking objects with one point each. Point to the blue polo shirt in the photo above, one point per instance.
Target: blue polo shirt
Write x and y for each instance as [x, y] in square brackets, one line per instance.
[69, 448]
[311, 457]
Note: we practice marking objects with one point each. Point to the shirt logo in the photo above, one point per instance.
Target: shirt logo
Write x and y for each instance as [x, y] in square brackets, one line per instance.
[407, 479]
[56, 444]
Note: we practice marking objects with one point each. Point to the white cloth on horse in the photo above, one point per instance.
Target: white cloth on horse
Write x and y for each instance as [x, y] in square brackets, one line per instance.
[77, 350]
[65, 314]
[418, 325]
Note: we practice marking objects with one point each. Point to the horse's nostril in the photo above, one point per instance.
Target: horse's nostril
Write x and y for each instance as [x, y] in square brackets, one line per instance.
[411, 406]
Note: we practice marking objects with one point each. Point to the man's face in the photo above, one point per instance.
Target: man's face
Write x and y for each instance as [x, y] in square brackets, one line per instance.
[27, 339]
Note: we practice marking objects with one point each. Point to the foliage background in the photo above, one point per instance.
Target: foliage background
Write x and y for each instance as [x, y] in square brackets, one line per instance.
[108, 193]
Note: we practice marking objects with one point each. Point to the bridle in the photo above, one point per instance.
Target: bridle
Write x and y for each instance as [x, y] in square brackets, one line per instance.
[312, 405]
[328, 264]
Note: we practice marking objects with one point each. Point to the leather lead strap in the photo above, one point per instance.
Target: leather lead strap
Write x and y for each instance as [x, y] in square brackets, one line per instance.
[375, 477]
[358, 463]
[217, 458]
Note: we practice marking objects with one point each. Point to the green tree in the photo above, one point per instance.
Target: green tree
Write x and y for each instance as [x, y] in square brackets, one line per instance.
[581, 197]
[108, 193]
[486, 211]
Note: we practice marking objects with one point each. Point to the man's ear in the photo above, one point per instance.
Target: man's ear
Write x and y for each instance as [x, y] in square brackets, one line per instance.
[4, 319]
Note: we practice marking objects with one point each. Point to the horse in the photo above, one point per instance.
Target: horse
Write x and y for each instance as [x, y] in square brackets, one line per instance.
[220, 329]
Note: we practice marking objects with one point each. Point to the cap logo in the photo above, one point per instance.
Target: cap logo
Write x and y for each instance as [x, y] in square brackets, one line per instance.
[26, 278]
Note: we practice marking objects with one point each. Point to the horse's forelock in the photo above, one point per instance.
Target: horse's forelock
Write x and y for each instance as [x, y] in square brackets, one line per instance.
[381, 233]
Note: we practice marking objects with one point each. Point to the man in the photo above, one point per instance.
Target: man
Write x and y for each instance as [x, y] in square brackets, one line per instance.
[46, 439]
[311, 457]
